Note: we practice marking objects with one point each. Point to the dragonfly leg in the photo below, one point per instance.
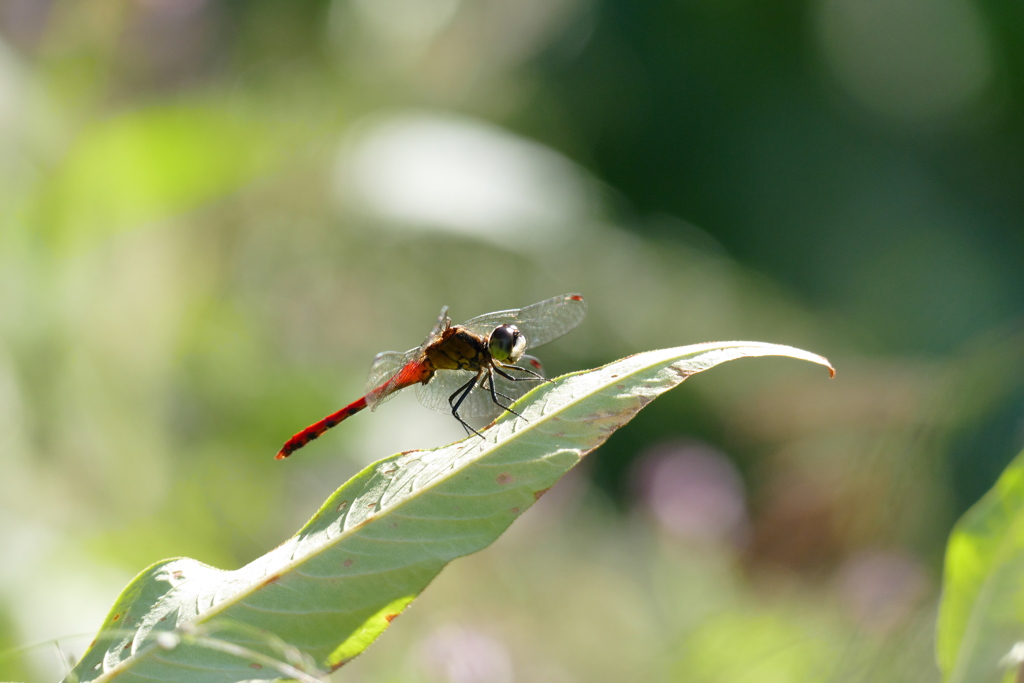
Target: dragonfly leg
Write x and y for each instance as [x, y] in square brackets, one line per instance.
[535, 378]
[495, 394]
[461, 393]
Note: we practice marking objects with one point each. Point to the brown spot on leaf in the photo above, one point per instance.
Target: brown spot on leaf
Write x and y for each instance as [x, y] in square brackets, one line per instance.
[116, 617]
[271, 579]
[504, 478]
[338, 665]
[538, 494]
[515, 511]
[347, 563]
[176, 574]
[342, 505]
[390, 617]
[256, 666]
[681, 372]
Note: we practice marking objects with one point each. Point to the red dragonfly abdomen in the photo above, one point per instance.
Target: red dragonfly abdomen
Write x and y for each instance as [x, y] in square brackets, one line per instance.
[415, 372]
[317, 428]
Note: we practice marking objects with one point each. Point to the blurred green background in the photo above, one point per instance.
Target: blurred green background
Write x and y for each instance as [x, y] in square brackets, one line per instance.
[213, 214]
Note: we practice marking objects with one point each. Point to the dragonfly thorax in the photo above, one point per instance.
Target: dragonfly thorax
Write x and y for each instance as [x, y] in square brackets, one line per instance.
[506, 344]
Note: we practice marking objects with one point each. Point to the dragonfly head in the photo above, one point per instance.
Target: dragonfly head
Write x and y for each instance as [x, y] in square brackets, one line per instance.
[506, 344]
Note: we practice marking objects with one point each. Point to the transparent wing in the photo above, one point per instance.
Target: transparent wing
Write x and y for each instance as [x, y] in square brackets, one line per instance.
[385, 367]
[540, 322]
[479, 403]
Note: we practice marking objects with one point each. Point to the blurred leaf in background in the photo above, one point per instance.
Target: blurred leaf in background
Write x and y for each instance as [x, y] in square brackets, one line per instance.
[979, 623]
[213, 214]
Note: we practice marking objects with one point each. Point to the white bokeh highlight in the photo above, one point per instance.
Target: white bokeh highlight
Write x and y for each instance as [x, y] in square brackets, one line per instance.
[458, 175]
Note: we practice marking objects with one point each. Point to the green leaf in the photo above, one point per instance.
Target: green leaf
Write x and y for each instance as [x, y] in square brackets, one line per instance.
[324, 595]
[981, 618]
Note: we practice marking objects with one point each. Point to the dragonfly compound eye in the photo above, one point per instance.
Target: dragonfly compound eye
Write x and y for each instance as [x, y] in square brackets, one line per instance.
[507, 344]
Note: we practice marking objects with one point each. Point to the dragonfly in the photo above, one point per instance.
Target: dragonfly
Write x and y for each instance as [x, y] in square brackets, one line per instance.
[473, 370]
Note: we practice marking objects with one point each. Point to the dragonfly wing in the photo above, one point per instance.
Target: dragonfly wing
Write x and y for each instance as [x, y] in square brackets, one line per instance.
[385, 369]
[541, 322]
